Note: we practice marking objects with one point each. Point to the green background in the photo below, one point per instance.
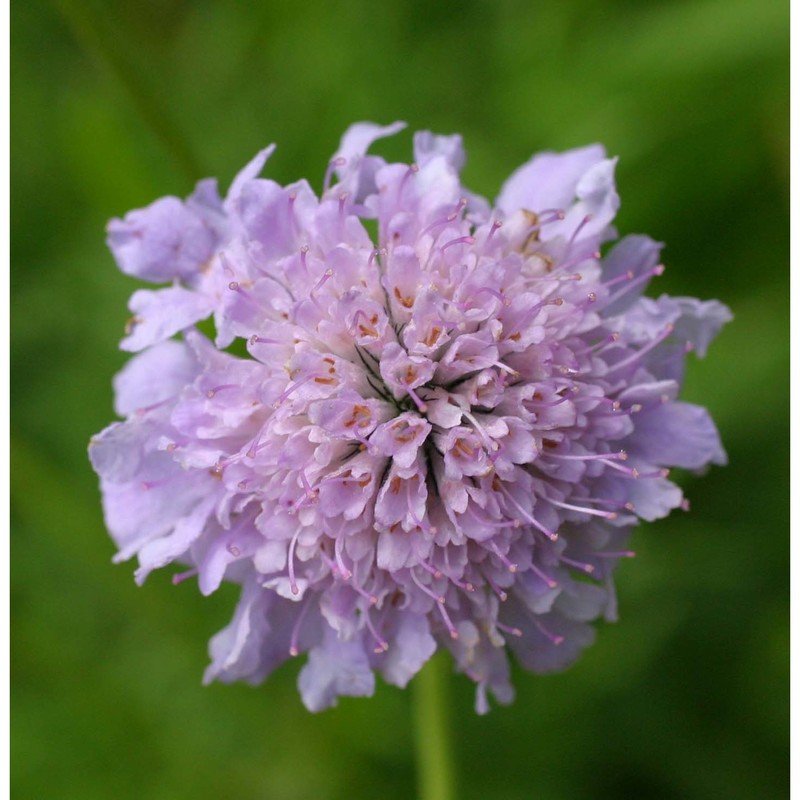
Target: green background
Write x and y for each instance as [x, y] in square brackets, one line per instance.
[118, 103]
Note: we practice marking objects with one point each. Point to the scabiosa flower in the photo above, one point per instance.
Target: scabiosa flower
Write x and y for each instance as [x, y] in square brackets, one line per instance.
[442, 436]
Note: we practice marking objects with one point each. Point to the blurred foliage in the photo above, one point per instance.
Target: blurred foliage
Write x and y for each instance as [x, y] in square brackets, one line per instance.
[118, 103]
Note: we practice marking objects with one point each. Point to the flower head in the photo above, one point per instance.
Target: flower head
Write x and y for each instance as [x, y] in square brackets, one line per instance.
[440, 437]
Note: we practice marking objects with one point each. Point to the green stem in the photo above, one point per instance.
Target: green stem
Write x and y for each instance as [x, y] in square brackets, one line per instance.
[436, 777]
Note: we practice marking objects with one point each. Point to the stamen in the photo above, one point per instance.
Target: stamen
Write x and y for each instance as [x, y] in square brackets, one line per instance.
[293, 650]
[290, 558]
[294, 387]
[614, 554]
[581, 565]
[254, 447]
[496, 589]
[496, 225]
[626, 362]
[448, 622]
[182, 576]
[592, 511]
[554, 638]
[549, 404]
[574, 262]
[437, 573]
[498, 295]
[581, 225]
[459, 240]
[374, 254]
[466, 585]
[337, 552]
[452, 217]
[420, 404]
[211, 393]
[551, 583]
[337, 162]
[140, 412]
[423, 524]
[490, 444]
[254, 339]
[621, 456]
[531, 314]
[292, 199]
[147, 485]
[413, 169]
[496, 550]
[551, 535]
[439, 598]
[383, 645]
[321, 282]
[370, 598]
[304, 261]
[631, 282]
[506, 629]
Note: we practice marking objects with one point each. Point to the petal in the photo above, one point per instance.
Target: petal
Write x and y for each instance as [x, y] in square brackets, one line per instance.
[676, 435]
[236, 650]
[250, 171]
[409, 650]
[548, 180]
[116, 452]
[700, 321]
[159, 552]
[163, 313]
[335, 668]
[154, 376]
[359, 137]
[428, 145]
[162, 242]
[635, 254]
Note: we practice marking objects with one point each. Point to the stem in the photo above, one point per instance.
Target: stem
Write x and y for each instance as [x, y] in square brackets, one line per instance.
[436, 779]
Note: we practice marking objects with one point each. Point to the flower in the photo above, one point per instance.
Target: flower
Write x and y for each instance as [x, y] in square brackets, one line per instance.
[440, 437]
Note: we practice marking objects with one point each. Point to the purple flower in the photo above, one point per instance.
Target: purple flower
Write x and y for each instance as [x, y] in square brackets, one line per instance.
[442, 438]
